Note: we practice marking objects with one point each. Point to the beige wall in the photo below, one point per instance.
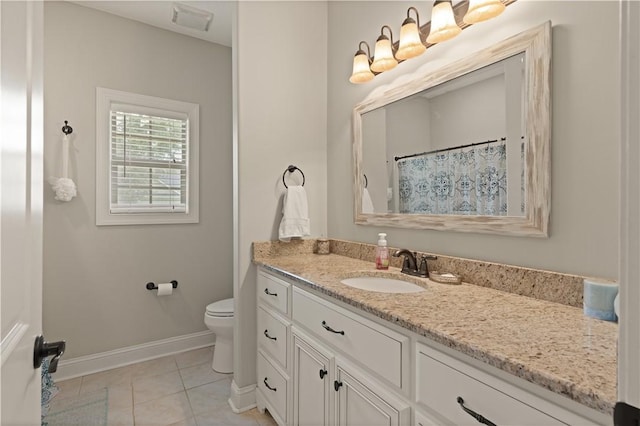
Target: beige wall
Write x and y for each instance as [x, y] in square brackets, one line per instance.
[585, 105]
[281, 113]
[94, 277]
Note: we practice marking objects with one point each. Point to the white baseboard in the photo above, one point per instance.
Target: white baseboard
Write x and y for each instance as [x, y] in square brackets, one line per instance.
[81, 366]
[242, 399]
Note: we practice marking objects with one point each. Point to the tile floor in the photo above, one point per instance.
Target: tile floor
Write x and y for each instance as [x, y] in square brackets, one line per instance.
[179, 390]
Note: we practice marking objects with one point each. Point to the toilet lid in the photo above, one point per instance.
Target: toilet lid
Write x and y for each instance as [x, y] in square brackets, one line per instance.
[221, 308]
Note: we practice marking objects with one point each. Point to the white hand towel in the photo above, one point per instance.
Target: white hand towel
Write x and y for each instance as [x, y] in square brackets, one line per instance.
[295, 214]
[64, 187]
[367, 204]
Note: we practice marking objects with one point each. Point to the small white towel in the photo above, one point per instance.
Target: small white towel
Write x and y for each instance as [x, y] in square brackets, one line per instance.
[295, 214]
[64, 187]
[367, 204]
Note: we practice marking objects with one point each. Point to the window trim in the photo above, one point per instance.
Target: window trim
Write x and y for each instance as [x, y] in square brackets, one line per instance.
[104, 99]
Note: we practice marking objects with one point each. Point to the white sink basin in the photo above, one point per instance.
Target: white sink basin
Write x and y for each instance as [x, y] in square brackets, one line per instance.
[382, 285]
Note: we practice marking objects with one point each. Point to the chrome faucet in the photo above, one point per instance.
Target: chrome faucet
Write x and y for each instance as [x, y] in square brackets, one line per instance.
[410, 263]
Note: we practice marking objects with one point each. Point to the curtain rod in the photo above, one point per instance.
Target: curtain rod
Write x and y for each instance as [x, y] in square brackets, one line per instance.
[447, 149]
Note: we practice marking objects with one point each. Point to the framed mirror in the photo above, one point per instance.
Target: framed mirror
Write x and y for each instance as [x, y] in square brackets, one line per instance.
[463, 148]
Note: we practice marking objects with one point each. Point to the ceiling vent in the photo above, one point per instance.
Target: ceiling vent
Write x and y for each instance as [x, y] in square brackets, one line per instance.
[190, 17]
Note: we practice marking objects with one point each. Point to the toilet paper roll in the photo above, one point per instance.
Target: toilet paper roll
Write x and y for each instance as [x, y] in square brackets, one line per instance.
[598, 299]
[165, 289]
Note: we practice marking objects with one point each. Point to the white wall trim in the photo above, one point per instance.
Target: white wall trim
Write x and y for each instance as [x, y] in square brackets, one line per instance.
[102, 361]
[629, 265]
[242, 399]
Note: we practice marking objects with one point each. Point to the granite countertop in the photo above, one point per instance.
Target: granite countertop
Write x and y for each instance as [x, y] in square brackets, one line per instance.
[546, 343]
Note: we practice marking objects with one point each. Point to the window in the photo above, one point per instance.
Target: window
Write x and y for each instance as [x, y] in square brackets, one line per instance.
[146, 159]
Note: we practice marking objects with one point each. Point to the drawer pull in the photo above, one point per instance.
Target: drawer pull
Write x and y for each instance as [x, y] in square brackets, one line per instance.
[337, 385]
[323, 373]
[268, 293]
[473, 414]
[267, 385]
[326, 327]
[266, 333]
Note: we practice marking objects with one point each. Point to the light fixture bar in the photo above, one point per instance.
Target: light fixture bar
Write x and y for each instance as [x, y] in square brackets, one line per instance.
[459, 10]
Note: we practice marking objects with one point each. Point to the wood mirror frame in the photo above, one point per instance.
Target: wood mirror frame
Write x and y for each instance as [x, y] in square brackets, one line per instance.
[536, 44]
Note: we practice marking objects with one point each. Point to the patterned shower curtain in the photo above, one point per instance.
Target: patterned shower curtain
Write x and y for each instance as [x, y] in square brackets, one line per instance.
[462, 181]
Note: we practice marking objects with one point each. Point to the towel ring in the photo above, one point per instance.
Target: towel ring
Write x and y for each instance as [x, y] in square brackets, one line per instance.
[66, 129]
[366, 181]
[292, 169]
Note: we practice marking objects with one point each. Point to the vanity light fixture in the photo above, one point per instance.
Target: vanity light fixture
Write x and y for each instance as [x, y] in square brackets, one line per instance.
[447, 21]
[383, 59]
[411, 44]
[443, 22]
[481, 10]
[361, 63]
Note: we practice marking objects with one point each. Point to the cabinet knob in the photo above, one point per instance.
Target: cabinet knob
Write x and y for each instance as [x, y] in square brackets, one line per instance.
[323, 373]
[337, 385]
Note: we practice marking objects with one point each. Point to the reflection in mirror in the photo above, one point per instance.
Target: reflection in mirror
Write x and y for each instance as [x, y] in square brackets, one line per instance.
[463, 148]
[455, 148]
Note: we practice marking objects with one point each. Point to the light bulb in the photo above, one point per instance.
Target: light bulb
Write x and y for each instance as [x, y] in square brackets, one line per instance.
[361, 72]
[383, 59]
[443, 23]
[410, 41]
[481, 10]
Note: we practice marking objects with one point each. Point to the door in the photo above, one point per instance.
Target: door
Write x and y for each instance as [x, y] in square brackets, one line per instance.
[21, 179]
[311, 384]
[363, 404]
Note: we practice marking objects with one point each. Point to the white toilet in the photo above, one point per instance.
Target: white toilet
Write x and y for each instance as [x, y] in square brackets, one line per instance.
[219, 319]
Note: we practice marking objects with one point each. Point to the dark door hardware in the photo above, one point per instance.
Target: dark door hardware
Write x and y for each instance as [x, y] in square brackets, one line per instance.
[337, 385]
[266, 333]
[478, 417]
[326, 327]
[323, 373]
[44, 350]
[268, 293]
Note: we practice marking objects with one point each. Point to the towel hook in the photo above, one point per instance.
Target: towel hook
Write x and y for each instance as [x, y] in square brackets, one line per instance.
[66, 129]
[292, 169]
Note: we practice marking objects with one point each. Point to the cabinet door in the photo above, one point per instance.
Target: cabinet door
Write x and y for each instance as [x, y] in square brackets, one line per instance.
[359, 404]
[311, 384]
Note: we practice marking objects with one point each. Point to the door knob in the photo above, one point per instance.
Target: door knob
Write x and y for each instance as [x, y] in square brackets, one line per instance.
[44, 350]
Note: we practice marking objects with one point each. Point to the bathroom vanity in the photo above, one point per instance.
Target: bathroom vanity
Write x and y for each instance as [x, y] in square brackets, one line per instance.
[331, 354]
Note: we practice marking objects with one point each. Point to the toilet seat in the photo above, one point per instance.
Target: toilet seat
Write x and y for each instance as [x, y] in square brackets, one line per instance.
[221, 308]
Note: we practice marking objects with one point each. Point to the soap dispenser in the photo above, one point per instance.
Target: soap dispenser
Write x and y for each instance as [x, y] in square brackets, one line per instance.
[382, 252]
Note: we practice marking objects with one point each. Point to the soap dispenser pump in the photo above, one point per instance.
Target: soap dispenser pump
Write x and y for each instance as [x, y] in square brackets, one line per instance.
[382, 252]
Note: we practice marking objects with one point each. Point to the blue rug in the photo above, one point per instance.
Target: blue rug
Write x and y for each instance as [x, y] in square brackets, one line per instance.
[89, 409]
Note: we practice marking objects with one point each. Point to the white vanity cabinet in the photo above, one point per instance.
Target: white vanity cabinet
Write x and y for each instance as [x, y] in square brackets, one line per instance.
[323, 364]
[361, 402]
[444, 385]
[340, 391]
[312, 381]
[274, 341]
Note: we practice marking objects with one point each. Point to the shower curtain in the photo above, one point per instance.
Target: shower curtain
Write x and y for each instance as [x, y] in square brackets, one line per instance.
[461, 181]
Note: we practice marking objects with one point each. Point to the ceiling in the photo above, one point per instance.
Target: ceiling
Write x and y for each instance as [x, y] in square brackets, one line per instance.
[158, 14]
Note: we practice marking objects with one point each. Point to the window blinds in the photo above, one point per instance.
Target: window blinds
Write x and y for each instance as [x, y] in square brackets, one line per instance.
[149, 161]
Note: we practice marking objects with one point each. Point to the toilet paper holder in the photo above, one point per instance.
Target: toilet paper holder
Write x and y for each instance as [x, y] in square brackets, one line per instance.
[153, 286]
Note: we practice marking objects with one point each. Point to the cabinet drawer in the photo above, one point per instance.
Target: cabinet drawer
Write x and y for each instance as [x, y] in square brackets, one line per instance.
[274, 292]
[273, 386]
[439, 386]
[273, 336]
[371, 344]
